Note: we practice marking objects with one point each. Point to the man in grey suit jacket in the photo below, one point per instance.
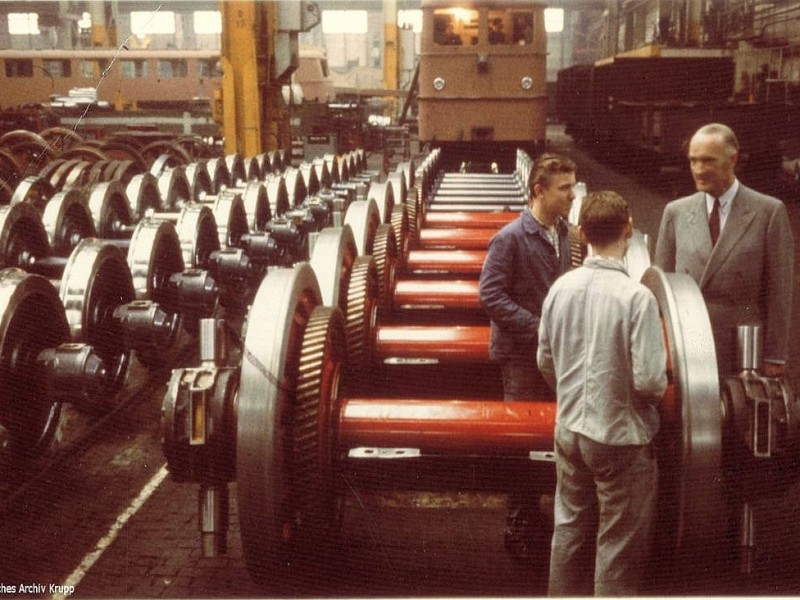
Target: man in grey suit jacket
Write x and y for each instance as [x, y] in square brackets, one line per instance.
[747, 276]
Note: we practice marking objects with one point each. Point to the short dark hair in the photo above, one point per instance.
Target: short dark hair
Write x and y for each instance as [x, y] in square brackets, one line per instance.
[603, 217]
[548, 164]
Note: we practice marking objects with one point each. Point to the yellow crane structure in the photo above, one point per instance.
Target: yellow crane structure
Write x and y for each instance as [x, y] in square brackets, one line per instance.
[260, 51]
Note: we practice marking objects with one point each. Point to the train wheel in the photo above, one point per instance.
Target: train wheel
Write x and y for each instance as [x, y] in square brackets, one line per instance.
[256, 204]
[142, 192]
[691, 508]
[33, 190]
[333, 257]
[197, 232]
[61, 138]
[199, 180]
[363, 216]
[111, 210]
[231, 217]
[174, 189]
[154, 255]
[96, 281]
[283, 432]
[22, 235]
[278, 195]
[32, 320]
[67, 220]
[10, 168]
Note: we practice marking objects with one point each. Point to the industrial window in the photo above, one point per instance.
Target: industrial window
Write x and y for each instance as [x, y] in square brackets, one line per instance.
[207, 21]
[93, 69]
[58, 67]
[554, 20]
[499, 27]
[208, 68]
[19, 67]
[152, 22]
[23, 24]
[522, 28]
[410, 18]
[133, 69]
[344, 21]
[169, 69]
[455, 26]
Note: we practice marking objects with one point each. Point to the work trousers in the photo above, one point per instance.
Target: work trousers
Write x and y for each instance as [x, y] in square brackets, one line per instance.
[522, 381]
[605, 495]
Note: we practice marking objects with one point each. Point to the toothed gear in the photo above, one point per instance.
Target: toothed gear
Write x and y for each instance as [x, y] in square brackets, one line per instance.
[361, 316]
[385, 253]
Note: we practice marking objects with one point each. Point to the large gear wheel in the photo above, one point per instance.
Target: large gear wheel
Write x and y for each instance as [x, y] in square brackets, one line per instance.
[385, 253]
[361, 316]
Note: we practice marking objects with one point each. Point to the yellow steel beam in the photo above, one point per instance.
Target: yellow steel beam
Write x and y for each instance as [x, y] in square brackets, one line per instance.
[243, 76]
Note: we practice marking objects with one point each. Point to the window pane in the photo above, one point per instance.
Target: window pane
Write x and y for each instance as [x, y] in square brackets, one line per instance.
[522, 28]
[410, 17]
[172, 68]
[554, 20]
[344, 21]
[23, 24]
[133, 69]
[150, 22]
[19, 67]
[498, 27]
[207, 21]
[208, 68]
[93, 69]
[455, 26]
[58, 68]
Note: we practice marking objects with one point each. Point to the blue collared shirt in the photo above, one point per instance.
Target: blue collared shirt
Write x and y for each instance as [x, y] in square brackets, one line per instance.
[601, 346]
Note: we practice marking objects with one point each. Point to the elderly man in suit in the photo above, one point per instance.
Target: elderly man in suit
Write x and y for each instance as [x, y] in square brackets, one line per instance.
[737, 245]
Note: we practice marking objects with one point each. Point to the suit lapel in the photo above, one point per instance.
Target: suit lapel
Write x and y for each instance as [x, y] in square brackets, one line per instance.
[739, 219]
[696, 223]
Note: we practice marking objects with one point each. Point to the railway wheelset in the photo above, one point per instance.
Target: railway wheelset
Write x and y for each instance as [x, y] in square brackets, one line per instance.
[301, 401]
[301, 305]
[101, 262]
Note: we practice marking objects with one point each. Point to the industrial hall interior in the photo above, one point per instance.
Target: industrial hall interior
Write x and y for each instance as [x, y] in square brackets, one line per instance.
[399, 298]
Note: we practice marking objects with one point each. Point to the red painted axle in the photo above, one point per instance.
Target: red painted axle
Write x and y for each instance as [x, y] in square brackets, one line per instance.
[467, 238]
[443, 344]
[436, 294]
[453, 262]
[462, 427]
[465, 219]
[457, 427]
